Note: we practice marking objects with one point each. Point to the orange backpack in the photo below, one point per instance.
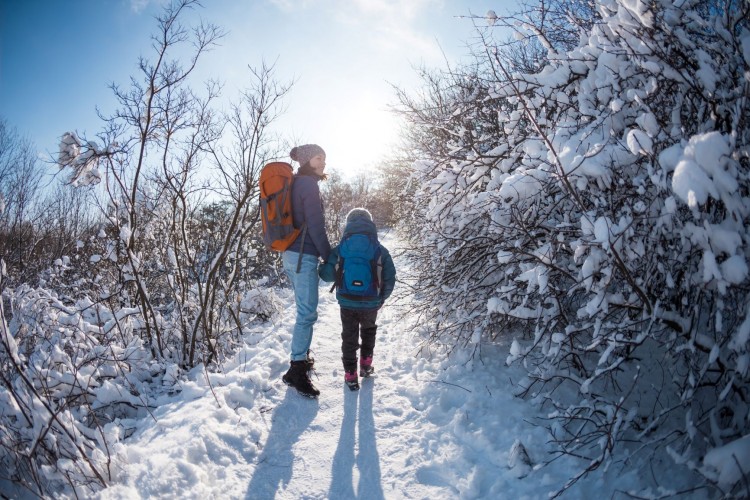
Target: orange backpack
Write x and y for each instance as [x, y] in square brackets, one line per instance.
[276, 180]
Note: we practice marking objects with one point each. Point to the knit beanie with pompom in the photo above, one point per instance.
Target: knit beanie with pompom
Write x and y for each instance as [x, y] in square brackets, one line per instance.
[303, 154]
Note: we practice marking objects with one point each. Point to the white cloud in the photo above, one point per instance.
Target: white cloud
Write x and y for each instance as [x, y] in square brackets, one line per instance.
[139, 6]
[290, 5]
[394, 8]
[393, 21]
[386, 25]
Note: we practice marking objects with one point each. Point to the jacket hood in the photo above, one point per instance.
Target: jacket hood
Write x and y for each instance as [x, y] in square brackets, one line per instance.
[360, 225]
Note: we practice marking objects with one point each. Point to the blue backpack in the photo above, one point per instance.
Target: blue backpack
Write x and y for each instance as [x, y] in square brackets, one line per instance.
[359, 268]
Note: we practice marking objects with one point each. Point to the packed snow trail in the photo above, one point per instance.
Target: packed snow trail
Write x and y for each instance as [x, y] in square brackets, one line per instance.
[419, 429]
[259, 439]
[263, 440]
[329, 448]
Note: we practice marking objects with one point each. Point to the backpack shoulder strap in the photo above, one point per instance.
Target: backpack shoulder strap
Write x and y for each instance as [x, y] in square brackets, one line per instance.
[301, 246]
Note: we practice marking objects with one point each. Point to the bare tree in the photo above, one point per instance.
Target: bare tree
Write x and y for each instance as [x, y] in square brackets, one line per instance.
[167, 157]
[161, 129]
[337, 201]
[20, 177]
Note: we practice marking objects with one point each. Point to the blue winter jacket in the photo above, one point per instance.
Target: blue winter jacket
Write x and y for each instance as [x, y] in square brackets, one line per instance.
[327, 270]
[307, 206]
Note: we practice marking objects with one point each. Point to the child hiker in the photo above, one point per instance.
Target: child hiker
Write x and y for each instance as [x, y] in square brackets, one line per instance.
[364, 276]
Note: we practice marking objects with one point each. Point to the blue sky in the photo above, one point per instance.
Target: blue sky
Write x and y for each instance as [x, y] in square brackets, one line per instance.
[57, 59]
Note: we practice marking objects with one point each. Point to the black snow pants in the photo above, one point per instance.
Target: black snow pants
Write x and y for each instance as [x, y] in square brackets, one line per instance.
[356, 324]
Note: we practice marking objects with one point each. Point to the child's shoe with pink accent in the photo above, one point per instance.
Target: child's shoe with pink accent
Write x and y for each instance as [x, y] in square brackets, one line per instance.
[365, 367]
[351, 380]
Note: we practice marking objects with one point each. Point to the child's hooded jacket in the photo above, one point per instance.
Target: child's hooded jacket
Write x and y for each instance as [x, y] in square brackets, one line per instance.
[359, 222]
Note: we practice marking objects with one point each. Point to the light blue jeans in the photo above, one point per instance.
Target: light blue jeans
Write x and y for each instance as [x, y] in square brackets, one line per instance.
[305, 284]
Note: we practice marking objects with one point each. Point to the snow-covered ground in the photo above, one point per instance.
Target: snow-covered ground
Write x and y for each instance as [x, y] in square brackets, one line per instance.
[419, 429]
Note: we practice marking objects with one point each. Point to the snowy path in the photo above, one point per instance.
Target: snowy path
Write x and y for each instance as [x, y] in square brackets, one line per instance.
[347, 444]
[417, 430]
[265, 441]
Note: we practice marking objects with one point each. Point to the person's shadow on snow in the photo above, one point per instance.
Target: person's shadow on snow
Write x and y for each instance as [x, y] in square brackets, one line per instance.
[342, 482]
[367, 459]
[275, 464]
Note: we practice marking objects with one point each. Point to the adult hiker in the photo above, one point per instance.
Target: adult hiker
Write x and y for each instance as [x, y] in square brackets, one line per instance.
[301, 261]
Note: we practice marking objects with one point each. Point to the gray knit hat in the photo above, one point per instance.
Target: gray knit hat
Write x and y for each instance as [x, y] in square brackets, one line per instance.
[303, 154]
[358, 213]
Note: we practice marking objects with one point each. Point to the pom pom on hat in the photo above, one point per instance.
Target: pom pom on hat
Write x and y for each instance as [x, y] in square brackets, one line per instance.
[303, 154]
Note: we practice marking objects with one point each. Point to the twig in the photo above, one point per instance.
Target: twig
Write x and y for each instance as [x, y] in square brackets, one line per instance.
[447, 383]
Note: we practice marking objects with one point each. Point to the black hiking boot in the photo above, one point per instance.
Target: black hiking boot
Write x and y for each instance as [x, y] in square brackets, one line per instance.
[298, 378]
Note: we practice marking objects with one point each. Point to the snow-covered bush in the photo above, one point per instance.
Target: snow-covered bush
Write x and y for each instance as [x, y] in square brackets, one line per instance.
[76, 369]
[71, 376]
[260, 302]
[599, 206]
[167, 280]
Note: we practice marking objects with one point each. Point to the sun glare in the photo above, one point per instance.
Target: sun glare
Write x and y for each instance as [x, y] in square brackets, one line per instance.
[361, 136]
